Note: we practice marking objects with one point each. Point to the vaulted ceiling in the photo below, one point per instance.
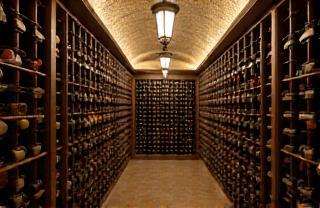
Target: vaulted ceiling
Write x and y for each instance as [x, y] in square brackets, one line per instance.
[199, 26]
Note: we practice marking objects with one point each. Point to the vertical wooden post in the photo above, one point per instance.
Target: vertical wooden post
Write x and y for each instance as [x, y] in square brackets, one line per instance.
[275, 94]
[64, 108]
[50, 105]
[133, 143]
[197, 136]
[263, 111]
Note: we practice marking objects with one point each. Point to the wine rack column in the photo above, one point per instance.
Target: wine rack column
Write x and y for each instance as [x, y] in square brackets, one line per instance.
[264, 63]
[62, 106]
[49, 12]
[299, 115]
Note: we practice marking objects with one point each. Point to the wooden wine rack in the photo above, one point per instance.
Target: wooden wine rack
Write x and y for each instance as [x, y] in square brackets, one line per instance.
[258, 112]
[95, 92]
[65, 107]
[26, 84]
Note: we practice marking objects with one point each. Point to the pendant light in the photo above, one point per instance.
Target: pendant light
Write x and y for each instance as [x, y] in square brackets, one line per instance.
[165, 59]
[165, 73]
[165, 12]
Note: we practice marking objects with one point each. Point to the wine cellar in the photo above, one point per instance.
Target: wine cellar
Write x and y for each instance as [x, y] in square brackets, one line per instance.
[82, 104]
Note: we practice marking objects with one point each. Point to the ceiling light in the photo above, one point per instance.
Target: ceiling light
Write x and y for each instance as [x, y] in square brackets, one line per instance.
[165, 58]
[165, 73]
[165, 11]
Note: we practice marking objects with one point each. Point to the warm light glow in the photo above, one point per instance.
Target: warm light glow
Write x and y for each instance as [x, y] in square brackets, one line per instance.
[165, 73]
[195, 33]
[165, 20]
[165, 62]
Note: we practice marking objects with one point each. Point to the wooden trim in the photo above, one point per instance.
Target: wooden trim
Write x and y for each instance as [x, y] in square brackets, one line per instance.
[171, 72]
[275, 122]
[50, 105]
[170, 77]
[165, 157]
[279, 3]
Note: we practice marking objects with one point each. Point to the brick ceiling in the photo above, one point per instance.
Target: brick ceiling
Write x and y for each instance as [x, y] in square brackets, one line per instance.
[198, 27]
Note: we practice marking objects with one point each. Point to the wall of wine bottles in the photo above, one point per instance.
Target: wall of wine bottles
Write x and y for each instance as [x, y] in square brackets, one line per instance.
[299, 100]
[94, 105]
[165, 117]
[231, 97]
[24, 124]
[65, 109]
[259, 111]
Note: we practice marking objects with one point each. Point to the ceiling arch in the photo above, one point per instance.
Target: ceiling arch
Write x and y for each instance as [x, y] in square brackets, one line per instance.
[198, 27]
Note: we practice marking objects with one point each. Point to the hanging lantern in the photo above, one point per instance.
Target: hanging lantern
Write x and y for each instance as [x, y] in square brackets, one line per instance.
[165, 59]
[165, 12]
[165, 73]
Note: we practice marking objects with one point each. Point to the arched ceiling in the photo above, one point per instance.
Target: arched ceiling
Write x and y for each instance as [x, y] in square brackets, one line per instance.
[198, 27]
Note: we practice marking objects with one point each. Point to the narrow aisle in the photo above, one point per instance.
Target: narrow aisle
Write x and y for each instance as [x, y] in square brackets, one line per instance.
[166, 184]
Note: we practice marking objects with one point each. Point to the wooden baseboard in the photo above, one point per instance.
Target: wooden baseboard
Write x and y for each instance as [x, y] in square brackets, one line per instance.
[165, 157]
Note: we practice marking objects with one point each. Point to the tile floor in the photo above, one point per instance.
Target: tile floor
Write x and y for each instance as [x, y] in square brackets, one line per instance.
[166, 184]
